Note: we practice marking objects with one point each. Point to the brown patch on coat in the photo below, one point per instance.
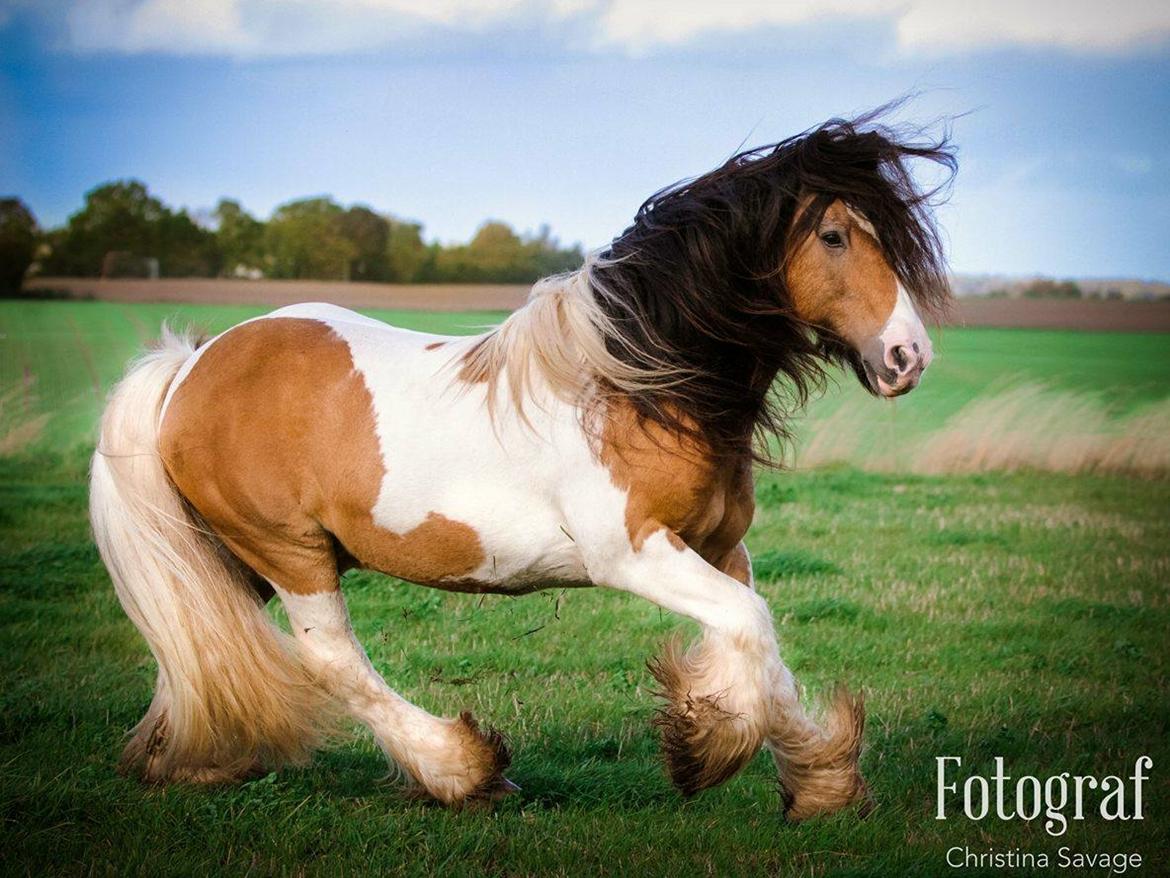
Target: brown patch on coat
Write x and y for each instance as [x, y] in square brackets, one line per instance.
[852, 291]
[272, 439]
[702, 743]
[738, 564]
[437, 549]
[435, 345]
[673, 484]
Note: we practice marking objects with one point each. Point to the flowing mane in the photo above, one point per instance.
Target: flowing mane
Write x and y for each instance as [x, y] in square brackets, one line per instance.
[687, 316]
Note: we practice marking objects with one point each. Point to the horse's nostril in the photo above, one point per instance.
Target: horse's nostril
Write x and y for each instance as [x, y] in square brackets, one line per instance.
[901, 358]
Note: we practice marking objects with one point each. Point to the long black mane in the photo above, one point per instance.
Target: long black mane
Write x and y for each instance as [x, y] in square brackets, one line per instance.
[697, 282]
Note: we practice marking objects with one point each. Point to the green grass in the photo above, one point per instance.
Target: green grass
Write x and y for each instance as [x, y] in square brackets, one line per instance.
[1021, 616]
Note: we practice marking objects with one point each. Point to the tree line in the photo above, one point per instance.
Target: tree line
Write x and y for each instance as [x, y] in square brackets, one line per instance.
[1045, 288]
[123, 230]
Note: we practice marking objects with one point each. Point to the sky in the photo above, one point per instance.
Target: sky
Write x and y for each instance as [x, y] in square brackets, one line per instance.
[571, 112]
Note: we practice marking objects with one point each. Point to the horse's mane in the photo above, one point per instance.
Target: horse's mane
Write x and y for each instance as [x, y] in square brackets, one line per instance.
[686, 315]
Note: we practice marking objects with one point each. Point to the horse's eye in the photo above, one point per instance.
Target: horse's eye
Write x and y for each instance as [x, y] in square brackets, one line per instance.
[833, 239]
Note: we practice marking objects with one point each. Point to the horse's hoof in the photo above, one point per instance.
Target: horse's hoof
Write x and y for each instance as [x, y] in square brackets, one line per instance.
[867, 806]
[506, 787]
[488, 794]
[496, 789]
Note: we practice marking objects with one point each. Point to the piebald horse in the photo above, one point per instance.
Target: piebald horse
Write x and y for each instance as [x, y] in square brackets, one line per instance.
[604, 434]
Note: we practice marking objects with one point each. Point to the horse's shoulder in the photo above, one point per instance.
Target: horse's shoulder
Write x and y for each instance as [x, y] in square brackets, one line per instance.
[673, 480]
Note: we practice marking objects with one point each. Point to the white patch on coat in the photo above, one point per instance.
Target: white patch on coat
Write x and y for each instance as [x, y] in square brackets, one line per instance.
[442, 454]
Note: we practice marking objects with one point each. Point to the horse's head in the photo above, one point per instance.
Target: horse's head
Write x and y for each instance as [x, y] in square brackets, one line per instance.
[816, 250]
[840, 280]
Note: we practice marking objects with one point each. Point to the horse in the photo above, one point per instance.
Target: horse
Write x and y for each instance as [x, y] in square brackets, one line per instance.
[604, 434]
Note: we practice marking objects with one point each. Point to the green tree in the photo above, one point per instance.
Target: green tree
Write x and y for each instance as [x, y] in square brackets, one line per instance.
[497, 254]
[407, 258]
[122, 226]
[122, 218]
[369, 233]
[18, 243]
[546, 256]
[305, 239]
[184, 248]
[239, 237]
[1044, 288]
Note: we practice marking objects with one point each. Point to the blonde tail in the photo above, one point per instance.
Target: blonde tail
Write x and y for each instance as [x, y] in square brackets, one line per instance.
[232, 697]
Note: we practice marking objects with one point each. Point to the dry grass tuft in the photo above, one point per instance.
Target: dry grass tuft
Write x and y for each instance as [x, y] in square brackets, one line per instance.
[19, 427]
[1029, 427]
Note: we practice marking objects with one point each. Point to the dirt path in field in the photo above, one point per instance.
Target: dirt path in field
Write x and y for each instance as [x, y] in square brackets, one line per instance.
[1030, 313]
[1054, 314]
[216, 291]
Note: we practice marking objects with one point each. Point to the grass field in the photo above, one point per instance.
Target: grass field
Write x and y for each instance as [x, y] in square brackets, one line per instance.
[1016, 614]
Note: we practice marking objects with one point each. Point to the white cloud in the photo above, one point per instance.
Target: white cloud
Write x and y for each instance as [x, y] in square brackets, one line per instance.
[930, 25]
[641, 25]
[275, 27]
[281, 27]
[159, 25]
[1081, 25]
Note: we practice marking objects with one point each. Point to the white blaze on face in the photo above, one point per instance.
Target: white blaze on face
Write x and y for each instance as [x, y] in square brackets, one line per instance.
[862, 223]
[904, 327]
[905, 347]
[901, 352]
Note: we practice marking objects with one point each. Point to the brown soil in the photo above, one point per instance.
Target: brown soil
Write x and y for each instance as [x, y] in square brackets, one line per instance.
[216, 291]
[1056, 314]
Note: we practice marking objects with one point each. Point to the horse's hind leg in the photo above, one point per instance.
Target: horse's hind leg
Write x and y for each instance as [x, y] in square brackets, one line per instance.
[452, 759]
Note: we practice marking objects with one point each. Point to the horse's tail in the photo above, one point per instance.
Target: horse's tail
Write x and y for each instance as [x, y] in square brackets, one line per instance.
[232, 698]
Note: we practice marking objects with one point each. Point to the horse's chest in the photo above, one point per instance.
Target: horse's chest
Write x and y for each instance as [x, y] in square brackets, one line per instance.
[674, 482]
[711, 515]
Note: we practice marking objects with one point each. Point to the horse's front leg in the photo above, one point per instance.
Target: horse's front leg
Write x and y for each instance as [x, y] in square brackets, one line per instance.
[818, 767]
[729, 693]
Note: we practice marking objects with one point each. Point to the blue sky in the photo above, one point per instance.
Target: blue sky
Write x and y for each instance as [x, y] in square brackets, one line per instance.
[570, 112]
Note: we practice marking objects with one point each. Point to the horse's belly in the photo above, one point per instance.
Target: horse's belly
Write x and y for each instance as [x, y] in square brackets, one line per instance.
[464, 502]
[522, 550]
